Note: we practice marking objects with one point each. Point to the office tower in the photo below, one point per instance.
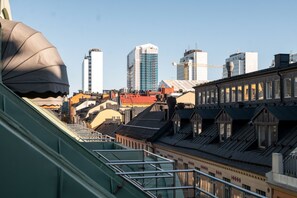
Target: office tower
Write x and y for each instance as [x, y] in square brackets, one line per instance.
[293, 58]
[142, 68]
[244, 62]
[193, 66]
[92, 74]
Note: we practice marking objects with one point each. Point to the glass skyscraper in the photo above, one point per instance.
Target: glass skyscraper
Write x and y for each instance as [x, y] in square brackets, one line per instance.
[142, 68]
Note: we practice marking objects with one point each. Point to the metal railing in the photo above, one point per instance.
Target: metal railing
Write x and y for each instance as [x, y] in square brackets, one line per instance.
[89, 135]
[290, 165]
[156, 176]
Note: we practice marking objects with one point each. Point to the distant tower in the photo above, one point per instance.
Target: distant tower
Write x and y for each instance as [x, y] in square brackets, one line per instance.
[244, 62]
[142, 68]
[92, 71]
[193, 66]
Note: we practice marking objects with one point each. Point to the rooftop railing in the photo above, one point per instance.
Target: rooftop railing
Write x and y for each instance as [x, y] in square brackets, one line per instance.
[156, 175]
[89, 135]
[290, 165]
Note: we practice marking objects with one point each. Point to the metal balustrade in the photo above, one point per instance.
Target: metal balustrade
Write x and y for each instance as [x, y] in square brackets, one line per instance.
[290, 165]
[156, 175]
[89, 135]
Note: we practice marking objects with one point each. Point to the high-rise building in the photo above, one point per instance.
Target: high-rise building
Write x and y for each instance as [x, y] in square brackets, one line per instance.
[293, 58]
[244, 62]
[142, 68]
[92, 71]
[193, 66]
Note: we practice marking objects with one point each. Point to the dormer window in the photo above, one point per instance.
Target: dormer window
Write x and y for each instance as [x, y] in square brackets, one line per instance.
[267, 135]
[225, 131]
[176, 126]
[197, 128]
[266, 125]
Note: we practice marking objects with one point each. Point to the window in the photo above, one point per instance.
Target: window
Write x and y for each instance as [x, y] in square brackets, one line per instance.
[212, 185]
[198, 180]
[203, 97]
[287, 88]
[176, 126]
[246, 187]
[212, 97]
[260, 192]
[227, 191]
[197, 128]
[269, 90]
[227, 94]
[246, 93]
[222, 132]
[295, 87]
[222, 96]
[216, 96]
[245, 195]
[185, 174]
[267, 135]
[276, 89]
[239, 93]
[199, 98]
[233, 94]
[225, 131]
[207, 98]
[253, 91]
[260, 91]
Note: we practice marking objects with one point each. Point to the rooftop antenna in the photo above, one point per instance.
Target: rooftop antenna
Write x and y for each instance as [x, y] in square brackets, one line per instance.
[196, 46]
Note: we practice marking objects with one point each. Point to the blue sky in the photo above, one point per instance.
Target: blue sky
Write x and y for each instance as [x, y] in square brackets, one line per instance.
[117, 26]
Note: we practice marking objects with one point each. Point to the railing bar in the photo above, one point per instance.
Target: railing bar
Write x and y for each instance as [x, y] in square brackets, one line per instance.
[148, 177]
[137, 163]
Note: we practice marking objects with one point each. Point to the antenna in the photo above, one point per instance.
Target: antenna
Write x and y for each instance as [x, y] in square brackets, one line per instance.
[196, 46]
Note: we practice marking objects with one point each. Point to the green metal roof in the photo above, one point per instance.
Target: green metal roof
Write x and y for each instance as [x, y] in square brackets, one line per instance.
[40, 158]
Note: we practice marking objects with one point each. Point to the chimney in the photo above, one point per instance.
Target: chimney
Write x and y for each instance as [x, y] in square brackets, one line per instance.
[281, 60]
[171, 102]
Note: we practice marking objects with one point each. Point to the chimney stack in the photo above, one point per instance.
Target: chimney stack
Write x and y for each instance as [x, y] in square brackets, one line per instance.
[281, 60]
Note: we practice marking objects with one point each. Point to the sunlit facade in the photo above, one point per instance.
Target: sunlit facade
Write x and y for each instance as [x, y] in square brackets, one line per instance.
[92, 72]
[193, 66]
[244, 62]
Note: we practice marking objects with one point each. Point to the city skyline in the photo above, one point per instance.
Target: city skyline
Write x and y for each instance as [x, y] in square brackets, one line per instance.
[219, 28]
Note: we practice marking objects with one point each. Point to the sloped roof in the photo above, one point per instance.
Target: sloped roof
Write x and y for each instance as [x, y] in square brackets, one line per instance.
[108, 128]
[145, 125]
[284, 113]
[185, 85]
[240, 113]
[137, 100]
[207, 113]
[184, 114]
[241, 149]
